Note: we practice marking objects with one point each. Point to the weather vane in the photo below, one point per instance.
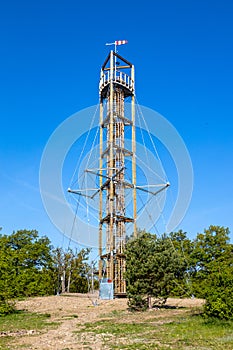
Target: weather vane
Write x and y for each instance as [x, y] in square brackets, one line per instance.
[117, 42]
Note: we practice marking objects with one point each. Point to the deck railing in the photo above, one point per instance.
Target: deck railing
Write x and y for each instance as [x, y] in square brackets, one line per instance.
[118, 77]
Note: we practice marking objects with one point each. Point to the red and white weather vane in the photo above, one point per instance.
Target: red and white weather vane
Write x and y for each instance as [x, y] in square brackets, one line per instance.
[118, 42]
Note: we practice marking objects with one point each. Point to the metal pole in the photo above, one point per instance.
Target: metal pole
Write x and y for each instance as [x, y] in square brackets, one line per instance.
[92, 277]
[58, 280]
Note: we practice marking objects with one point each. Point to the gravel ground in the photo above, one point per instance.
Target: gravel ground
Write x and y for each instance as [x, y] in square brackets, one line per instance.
[71, 311]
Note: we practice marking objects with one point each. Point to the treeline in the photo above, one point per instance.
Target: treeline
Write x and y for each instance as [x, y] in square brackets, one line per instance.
[157, 267]
[30, 266]
[174, 265]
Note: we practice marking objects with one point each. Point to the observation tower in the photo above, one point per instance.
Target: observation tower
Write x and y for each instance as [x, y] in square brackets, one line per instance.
[117, 158]
[116, 84]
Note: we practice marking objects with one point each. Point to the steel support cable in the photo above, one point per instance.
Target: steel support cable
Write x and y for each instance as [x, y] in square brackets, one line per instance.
[149, 215]
[150, 169]
[149, 134]
[161, 212]
[152, 142]
[154, 225]
[146, 151]
[88, 161]
[75, 215]
[71, 231]
[88, 164]
[147, 202]
[159, 162]
[80, 195]
[172, 244]
[86, 184]
[87, 209]
[143, 140]
[73, 223]
[144, 203]
[127, 193]
[72, 182]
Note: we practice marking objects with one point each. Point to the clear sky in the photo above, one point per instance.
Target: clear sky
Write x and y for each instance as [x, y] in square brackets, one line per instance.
[51, 54]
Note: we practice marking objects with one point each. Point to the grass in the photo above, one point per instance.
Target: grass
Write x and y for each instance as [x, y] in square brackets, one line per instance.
[141, 331]
[180, 329]
[21, 321]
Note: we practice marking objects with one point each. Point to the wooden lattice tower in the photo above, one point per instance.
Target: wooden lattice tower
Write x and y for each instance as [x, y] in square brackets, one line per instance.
[116, 84]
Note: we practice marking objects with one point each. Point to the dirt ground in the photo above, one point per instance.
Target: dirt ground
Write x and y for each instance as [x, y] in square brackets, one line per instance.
[71, 311]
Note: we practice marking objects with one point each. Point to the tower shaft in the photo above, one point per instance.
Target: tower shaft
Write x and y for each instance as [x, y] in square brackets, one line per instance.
[116, 84]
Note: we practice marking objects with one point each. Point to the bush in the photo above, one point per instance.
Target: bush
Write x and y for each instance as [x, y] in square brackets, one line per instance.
[219, 301]
[137, 302]
[218, 308]
[6, 307]
[151, 267]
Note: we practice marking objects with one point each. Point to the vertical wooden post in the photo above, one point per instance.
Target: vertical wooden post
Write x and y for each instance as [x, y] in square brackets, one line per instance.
[134, 157]
[101, 193]
[111, 165]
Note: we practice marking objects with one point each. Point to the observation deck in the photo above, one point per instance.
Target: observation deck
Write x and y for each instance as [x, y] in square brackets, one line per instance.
[119, 71]
[120, 78]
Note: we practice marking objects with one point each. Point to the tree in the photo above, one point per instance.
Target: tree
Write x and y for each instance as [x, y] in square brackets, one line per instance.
[6, 271]
[184, 248]
[26, 263]
[212, 259]
[29, 267]
[24, 267]
[219, 301]
[79, 272]
[151, 267]
[71, 269]
[212, 252]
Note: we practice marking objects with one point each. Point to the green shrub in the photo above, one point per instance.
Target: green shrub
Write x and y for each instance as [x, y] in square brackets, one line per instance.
[219, 300]
[6, 307]
[152, 265]
[137, 302]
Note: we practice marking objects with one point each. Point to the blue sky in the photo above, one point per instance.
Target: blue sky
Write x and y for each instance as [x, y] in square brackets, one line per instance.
[51, 54]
